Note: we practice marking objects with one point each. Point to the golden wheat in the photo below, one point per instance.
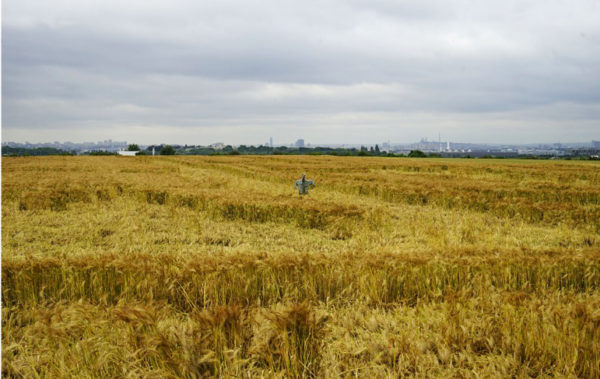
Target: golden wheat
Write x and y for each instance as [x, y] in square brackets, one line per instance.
[213, 266]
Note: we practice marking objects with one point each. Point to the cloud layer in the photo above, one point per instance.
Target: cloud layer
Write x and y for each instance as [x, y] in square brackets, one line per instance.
[330, 72]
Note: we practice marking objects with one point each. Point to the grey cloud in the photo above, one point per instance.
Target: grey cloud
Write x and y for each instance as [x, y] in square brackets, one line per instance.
[231, 67]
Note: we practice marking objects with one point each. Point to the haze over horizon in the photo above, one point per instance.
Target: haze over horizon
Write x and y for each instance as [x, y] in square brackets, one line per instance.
[352, 72]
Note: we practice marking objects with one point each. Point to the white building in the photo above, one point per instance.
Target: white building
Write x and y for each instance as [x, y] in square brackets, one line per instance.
[127, 153]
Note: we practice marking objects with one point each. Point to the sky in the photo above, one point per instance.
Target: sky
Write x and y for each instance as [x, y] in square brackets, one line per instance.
[355, 71]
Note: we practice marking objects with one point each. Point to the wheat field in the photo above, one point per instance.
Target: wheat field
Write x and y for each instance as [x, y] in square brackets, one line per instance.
[214, 266]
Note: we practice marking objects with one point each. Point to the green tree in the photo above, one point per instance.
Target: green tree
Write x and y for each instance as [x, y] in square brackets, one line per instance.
[167, 150]
[416, 154]
[133, 147]
[102, 152]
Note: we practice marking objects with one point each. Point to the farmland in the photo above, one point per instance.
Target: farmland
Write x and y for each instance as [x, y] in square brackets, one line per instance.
[214, 266]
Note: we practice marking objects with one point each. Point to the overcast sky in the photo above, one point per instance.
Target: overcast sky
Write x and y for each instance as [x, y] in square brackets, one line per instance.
[358, 71]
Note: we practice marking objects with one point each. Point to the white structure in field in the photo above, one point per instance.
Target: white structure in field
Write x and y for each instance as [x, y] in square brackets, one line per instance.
[127, 153]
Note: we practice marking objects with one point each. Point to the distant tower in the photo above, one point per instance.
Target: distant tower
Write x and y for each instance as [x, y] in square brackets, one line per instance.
[448, 145]
[440, 141]
[152, 150]
[271, 141]
[300, 143]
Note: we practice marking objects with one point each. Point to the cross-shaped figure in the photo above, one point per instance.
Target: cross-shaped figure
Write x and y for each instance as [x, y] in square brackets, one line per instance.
[303, 185]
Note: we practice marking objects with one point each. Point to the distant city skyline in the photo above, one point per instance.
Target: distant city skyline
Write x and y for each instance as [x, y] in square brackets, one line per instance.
[588, 150]
[300, 142]
[338, 72]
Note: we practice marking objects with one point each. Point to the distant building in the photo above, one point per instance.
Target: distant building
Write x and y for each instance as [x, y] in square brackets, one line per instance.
[596, 144]
[271, 141]
[299, 143]
[217, 145]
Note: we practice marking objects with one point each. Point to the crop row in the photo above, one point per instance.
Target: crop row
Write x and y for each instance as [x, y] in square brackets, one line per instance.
[196, 285]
